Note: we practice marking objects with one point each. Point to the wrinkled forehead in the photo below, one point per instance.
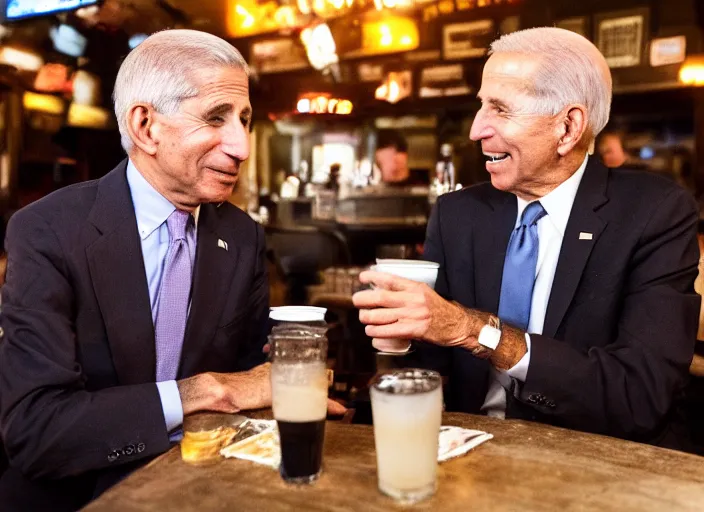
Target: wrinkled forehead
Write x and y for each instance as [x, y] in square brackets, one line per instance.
[209, 81]
[508, 71]
[224, 88]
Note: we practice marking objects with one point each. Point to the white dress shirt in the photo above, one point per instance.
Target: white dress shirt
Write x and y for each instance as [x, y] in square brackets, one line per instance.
[551, 231]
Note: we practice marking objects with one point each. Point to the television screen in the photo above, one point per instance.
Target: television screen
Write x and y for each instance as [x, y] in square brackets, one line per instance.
[18, 9]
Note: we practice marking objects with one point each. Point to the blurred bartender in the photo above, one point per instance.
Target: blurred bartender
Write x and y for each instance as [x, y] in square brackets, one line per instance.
[392, 159]
[613, 154]
[611, 150]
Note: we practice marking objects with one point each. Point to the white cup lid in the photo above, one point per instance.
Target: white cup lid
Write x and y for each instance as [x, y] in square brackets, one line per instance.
[297, 314]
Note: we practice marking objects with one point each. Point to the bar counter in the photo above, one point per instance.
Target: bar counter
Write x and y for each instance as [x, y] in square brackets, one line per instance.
[527, 466]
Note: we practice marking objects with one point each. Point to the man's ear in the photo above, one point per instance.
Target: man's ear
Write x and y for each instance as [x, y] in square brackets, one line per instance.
[143, 128]
[572, 128]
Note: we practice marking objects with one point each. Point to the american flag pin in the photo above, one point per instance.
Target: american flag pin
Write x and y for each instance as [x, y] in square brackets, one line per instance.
[222, 244]
[585, 236]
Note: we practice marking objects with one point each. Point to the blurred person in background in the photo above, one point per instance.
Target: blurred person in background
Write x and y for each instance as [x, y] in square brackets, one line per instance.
[391, 157]
[611, 150]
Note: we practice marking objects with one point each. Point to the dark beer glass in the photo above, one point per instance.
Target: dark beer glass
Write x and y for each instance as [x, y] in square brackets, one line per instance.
[299, 387]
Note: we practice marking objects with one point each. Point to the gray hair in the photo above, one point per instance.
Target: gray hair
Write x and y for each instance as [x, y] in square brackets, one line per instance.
[571, 70]
[159, 71]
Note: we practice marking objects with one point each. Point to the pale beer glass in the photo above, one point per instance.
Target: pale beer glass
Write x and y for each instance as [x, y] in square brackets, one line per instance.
[407, 412]
[299, 387]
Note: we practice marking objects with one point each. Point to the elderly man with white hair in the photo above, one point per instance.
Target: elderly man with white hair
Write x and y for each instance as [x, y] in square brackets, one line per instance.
[138, 298]
[565, 291]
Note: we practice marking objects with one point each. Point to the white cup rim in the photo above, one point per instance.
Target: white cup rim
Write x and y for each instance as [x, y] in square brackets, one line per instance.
[297, 313]
[407, 263]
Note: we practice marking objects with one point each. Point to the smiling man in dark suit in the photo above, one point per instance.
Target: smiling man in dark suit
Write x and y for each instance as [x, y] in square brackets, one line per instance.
[565, 292]
[140, 297]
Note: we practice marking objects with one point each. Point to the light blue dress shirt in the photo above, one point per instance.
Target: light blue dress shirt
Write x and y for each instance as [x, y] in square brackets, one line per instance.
[152, 209]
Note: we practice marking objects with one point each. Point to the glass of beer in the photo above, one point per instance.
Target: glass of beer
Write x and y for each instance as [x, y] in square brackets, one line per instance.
[299, 387]
[407, 411]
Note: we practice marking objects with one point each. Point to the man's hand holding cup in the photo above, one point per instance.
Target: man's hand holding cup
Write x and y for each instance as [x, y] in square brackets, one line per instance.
[402, 306]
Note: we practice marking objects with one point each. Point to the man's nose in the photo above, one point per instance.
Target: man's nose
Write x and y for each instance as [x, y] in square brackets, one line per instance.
[235, 141]
[481, 128]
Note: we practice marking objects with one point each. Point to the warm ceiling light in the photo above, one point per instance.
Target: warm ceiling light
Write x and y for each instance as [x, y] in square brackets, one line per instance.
[88, 12]
[386, 38]
[344, 107]
[394, 92]
[52, 77]
[87, 117]
[303, 6]
[285, 16]
[303, 105]
[393, 34]
[321, 103]
[692, 71]
[248, 20]
[396, 87]
[43, 103]
[320, 46]
[692, 75]
[21, 59]
[86, 88]
[381, 92]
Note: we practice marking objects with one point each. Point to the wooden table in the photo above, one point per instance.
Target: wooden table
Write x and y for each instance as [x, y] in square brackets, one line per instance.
[527, 466]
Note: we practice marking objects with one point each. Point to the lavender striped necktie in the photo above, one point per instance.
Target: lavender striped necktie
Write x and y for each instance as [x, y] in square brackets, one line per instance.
[174, 297]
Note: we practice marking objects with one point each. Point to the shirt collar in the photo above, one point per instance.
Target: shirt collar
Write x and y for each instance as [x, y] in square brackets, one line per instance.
[150, 207]
[558, 203]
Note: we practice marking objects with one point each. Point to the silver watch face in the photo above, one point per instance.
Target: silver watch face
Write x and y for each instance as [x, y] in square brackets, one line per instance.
[489, 337]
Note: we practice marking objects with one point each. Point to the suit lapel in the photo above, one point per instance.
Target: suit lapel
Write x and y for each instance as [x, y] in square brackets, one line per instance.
[493, 243]
[119, 280]
[212, 277]
[577, 244]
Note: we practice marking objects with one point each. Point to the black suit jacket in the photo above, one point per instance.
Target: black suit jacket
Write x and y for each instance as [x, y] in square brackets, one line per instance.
[78, 400]
[621, 321]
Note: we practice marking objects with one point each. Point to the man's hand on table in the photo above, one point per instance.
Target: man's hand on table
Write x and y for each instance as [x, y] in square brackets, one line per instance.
[401, 308]
[233, 392]
[227, 392]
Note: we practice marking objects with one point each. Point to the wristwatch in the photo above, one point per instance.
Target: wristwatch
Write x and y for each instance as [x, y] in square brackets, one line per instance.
[489, 338]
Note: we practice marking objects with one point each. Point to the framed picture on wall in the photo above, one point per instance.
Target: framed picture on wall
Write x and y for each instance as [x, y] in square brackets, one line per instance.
[277, 55]
[578, 24]
[668, 50]
[466, 40]
[621, 36]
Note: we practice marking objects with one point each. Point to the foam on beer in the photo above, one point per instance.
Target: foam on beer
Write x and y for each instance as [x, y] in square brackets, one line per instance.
[409, 382]
[299, 391]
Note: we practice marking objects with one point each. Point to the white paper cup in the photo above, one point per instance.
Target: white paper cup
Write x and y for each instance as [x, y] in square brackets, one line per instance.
[415, 270]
